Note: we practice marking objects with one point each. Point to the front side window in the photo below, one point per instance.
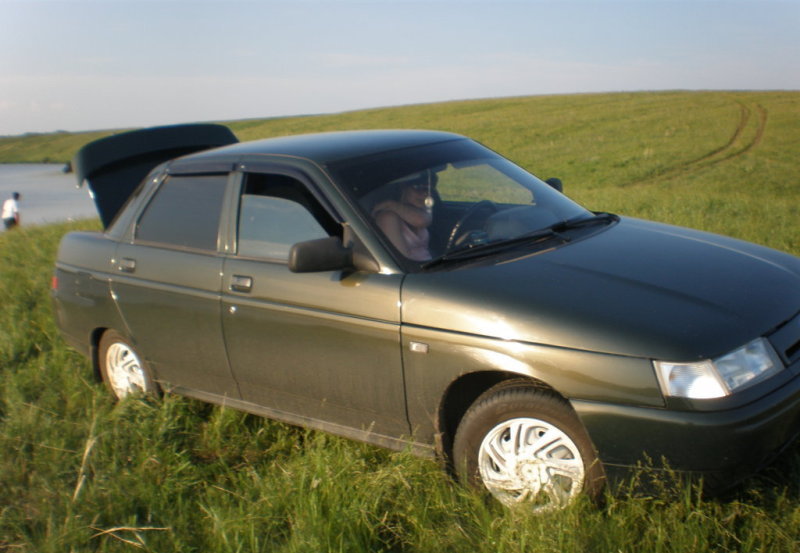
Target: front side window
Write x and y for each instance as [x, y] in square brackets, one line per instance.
[275, 212]
[184, 213]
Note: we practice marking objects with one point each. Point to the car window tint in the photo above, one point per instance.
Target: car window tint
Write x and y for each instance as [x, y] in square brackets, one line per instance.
[184, 212]
[276, 212]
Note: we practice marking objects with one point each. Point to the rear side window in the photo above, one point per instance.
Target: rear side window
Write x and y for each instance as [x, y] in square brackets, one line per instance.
[184, 212]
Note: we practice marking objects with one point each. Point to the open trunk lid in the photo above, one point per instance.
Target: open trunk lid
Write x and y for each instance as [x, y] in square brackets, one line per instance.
[113, 167]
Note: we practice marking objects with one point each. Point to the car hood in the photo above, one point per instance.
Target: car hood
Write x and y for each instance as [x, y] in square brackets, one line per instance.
[637, 288]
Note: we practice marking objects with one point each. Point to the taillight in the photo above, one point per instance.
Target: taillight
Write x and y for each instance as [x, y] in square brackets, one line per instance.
[54, 283]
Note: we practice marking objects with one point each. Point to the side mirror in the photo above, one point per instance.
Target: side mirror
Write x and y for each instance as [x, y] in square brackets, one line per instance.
[555, 183]
[316, 256]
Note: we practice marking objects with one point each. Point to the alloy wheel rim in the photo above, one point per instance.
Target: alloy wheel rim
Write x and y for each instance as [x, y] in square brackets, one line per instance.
[530, 461]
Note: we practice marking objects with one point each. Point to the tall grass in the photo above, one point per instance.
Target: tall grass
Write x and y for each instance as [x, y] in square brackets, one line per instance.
[80, 473]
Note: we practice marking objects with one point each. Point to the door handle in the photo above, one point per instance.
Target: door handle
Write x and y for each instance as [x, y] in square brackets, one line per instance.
[127, 265]
[241, 283]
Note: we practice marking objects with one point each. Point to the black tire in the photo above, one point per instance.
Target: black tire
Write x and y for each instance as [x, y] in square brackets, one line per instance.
[525, 445]
[122, 369]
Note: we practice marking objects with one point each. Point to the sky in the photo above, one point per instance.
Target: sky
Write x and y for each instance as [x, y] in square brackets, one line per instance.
[77, 65]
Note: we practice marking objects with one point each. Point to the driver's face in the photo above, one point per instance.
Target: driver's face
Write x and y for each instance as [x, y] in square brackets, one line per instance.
[416, 194]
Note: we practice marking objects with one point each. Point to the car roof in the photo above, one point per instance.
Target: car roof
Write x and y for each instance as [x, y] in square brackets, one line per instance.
[114, 166]
[329, 147]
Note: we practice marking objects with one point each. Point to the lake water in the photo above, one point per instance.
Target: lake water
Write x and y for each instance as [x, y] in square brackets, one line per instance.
[48, 194]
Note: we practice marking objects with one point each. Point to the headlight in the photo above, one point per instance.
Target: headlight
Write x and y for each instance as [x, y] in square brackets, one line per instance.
[722, 376]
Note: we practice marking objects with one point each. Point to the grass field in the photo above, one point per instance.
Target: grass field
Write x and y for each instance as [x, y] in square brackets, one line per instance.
[79, 473]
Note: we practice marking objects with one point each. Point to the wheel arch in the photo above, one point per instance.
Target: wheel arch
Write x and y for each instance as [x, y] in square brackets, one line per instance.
[465, 390]
[94, 348]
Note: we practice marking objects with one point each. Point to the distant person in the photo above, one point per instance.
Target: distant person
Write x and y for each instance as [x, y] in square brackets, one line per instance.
[11, 211]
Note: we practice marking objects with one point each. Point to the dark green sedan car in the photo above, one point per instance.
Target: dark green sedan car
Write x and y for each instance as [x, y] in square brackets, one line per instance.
[414, 287]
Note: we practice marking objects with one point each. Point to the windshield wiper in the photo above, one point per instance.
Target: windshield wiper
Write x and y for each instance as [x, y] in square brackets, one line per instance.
[480, 250]
[541, 235]
[597, 218]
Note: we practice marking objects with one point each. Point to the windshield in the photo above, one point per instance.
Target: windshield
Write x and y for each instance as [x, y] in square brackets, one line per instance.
[438, 199]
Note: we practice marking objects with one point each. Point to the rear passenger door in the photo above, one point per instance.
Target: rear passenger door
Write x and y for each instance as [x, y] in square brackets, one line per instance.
[321, 346]
[168, 284]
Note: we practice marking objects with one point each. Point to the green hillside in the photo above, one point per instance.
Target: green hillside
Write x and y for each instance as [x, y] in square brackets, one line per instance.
[721, 161]
[79, 473]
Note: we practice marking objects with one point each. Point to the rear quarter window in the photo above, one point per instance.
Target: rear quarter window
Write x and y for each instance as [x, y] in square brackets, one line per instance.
[184, 212]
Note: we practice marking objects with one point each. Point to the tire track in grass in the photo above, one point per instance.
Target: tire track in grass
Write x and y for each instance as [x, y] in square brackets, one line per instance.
[736, 146]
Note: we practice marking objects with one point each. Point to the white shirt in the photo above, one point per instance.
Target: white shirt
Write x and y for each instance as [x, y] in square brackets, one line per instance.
[10, 209]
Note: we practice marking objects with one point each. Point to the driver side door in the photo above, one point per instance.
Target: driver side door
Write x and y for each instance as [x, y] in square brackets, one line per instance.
[320, 346]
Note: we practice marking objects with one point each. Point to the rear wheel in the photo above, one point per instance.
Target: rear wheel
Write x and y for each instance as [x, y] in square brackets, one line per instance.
[526, 447]
[122, 369]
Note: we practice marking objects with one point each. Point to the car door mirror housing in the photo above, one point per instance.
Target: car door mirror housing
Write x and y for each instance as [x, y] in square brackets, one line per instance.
[555, 182]
[323, 254]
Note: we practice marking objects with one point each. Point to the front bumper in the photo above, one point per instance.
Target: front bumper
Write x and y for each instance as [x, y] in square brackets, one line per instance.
[722, 445]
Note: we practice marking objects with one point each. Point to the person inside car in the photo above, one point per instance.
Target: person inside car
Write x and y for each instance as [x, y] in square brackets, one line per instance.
[405, 221]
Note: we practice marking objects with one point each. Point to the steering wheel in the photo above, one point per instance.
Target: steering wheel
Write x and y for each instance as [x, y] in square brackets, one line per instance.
[456, 235]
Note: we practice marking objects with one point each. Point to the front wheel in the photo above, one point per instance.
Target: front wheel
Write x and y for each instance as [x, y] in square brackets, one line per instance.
[526, 447]
[122, 369]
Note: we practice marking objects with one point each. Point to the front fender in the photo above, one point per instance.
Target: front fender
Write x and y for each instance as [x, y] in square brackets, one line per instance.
[433, 360]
